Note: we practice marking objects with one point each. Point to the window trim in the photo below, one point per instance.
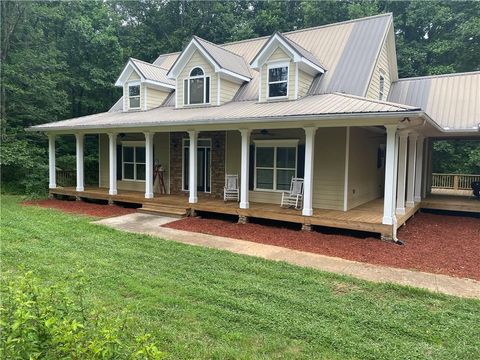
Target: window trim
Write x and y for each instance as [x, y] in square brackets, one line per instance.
[204, 77]
[289, 143]
[133, 144]
[381, 86]
[184, 141]
[274, 65]
[139, 96]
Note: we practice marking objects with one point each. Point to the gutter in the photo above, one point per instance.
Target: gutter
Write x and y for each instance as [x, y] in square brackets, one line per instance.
[280, 118]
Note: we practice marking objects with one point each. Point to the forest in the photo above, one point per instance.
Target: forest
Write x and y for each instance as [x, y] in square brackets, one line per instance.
[60, 59]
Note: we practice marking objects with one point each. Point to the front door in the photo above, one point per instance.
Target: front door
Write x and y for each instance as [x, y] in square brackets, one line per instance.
[203, 164]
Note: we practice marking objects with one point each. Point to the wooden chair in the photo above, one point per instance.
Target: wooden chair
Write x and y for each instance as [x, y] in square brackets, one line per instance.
[231, 191]
[294, 198]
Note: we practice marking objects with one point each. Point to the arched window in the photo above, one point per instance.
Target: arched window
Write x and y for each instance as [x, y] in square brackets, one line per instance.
[196, 87]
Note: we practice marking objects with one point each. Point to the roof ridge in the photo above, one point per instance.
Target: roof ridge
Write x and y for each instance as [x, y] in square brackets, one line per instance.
[414, 78]
[219, 46]
[146, 62]
[403, 106]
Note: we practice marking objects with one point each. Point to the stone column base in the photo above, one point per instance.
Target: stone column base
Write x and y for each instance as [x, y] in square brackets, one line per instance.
[242, 219]
[306, 227]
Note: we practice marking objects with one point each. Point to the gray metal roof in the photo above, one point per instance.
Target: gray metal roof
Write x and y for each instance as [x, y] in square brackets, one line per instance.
[233, 112]
[452, 100]
[152, 72]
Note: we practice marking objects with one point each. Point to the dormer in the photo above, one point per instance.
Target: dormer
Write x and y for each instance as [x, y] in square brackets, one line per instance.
[286, 69]
[145, 86]
[206, 74]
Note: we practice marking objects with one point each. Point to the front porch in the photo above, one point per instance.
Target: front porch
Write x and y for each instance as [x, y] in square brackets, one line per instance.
[366, 217]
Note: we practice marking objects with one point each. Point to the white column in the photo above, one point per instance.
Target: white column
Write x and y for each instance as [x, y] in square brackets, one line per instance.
[402, 172]
[412, 160]
[192, 168]
[112, 163]
[149, 165]
[244, 175]
[390, 169]
[418, 171]
[52, 175]
[308, 174]
[79, 139]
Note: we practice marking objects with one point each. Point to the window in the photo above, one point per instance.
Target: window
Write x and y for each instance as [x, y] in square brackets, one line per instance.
[275, 164]
[134, 96]
[381, 87]
[196, 88]
[278, 80]
[133, 161]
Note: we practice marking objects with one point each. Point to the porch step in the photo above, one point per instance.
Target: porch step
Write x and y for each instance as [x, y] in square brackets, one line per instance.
[163, 210]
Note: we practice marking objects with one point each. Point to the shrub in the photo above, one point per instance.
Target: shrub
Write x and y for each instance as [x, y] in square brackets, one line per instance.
[41, 321]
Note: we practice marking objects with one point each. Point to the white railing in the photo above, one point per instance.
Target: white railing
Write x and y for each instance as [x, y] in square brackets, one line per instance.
[453, 181]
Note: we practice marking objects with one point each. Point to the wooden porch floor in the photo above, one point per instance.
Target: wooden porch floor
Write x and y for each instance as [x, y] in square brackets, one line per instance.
[366, 217]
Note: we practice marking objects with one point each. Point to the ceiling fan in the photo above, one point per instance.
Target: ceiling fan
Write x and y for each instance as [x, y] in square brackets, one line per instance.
[263, 132]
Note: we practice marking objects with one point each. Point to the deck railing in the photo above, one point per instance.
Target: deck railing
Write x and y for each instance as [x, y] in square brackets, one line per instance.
[66, 177]
[453, 181]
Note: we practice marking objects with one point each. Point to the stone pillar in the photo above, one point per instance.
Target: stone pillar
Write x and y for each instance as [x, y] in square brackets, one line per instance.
[112, 163]
[308, 175]
[80, 178]
[192, 166]
[390, 170]
[149, 165]
[52, 174]
[402, 172]
[244, 175]
[412, 159]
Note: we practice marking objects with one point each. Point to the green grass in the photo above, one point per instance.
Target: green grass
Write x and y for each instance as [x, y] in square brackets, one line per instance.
[203, 303]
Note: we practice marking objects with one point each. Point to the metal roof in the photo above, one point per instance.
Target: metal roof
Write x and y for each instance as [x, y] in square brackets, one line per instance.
[452, 100]
[152, 72]
[236, 111]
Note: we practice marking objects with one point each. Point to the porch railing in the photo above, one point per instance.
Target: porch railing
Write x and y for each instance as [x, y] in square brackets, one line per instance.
[66, 177]
[453, 181]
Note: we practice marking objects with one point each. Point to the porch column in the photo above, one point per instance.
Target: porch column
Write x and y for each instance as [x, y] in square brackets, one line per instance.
[79, 139]
[192, 167]
[412, 161]
[52, 175]
[149, 165]
[419, 170]
[244, 175]
[390, 169]
[308, 172]
[402, 172]
[112, 163]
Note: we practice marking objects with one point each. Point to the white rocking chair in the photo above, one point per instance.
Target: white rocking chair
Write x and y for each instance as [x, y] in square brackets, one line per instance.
[230, 191]
[293, 198]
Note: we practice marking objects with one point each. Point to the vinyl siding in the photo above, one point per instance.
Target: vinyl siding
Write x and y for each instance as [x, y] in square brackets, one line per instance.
[228, 89]
[365, 180]
[155, 97]
[133, 77]
[278, 55]
[382, 67]
[197, 59]
[304, 82]
[329, 168]
[161, 153]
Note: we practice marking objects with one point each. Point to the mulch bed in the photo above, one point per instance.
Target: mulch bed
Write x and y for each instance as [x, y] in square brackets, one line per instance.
[442, 244]
[81, 207]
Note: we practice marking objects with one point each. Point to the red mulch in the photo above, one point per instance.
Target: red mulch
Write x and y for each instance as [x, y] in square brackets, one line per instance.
[434, 243]
[81, 207]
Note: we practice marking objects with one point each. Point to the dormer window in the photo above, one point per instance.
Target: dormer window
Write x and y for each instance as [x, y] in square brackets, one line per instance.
[134, 96]
[278, 80]
[197, 88]
[381, 87]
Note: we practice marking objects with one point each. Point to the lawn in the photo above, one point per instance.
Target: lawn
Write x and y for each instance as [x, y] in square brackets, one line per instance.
[203, 303]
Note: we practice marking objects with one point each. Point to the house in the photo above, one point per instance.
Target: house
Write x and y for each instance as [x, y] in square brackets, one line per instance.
[324, 104]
